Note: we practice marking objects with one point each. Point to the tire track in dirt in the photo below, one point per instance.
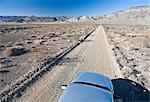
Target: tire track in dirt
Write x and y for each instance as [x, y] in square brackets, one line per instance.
[91, 55]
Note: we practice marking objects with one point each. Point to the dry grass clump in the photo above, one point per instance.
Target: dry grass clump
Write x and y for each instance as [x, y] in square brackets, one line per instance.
[15, 51]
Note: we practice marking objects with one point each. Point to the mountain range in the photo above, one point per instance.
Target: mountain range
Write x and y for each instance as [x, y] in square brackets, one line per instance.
[138, 14]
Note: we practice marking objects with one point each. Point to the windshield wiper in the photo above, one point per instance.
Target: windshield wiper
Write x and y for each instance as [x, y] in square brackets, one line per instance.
[95, 85]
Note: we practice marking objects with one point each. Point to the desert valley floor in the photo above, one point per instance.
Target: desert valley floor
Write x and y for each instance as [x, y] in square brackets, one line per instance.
[122, 52]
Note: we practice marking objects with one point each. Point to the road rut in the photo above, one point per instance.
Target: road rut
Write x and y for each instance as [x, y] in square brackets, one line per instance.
[92, 55]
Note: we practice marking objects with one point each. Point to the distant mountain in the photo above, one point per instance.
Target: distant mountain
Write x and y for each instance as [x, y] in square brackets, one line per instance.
[13, 18]
[32, 19]
[138, 14]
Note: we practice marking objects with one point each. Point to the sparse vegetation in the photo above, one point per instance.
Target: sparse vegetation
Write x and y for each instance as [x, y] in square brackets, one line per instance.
[14, 51]
[130, 46]
[28, 45]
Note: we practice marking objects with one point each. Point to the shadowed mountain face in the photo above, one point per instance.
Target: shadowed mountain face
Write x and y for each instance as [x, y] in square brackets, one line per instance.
[130, 91]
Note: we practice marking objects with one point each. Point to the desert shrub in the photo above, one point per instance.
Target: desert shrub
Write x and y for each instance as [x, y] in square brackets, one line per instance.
[15, 51]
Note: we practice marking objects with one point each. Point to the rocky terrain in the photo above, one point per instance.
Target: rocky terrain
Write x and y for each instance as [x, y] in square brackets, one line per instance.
[131, 47]
[25, 47]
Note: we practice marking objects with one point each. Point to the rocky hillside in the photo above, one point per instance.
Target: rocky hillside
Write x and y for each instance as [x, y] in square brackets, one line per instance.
[138, 14]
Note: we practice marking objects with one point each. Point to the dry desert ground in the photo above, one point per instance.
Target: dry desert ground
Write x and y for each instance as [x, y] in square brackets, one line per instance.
[122, 52]
[24, 47]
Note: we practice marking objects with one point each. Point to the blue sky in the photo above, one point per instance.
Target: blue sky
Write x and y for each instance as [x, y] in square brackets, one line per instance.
[65, 7]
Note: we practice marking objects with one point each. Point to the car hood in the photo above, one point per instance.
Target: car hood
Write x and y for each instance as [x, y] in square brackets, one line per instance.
[85, 93]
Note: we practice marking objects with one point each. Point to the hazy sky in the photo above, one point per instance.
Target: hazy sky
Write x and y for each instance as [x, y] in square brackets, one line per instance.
[65, 7]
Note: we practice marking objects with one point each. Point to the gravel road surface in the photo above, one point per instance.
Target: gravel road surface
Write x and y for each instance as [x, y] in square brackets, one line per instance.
[92, 55]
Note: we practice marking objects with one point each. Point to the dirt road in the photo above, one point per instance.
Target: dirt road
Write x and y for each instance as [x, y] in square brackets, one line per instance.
[91, 55]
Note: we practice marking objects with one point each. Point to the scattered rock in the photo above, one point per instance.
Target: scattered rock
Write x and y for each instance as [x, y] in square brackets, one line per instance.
[33, 36]
[136, 48]
[28, 42]
[1, 46]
